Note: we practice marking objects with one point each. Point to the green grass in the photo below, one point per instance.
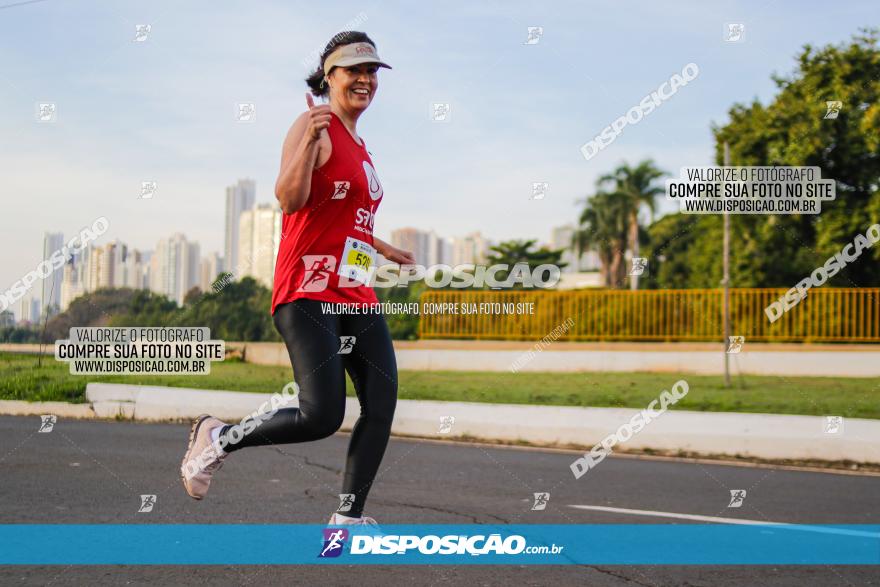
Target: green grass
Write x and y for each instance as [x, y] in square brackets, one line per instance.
[851, 397]
[20, 378]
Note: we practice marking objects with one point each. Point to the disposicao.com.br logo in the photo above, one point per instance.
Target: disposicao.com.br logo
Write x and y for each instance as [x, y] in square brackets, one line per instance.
[450, 544]
[334, 542]
[361, 271]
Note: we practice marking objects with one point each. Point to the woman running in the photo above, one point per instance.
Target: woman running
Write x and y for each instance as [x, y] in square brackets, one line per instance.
[329, 191]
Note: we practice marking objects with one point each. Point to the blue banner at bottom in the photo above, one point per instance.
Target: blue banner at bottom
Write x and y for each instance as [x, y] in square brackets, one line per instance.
[523, 544]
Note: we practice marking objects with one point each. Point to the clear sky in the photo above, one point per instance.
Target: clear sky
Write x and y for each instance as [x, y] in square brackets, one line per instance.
[164, 110]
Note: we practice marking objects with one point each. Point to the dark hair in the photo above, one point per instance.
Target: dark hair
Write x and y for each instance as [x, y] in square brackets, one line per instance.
[344, 38]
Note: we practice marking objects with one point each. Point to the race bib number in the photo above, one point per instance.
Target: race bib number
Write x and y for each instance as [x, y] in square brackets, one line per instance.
[357, 260]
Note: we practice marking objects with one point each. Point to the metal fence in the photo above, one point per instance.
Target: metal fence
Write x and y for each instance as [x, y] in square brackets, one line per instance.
[825, 315]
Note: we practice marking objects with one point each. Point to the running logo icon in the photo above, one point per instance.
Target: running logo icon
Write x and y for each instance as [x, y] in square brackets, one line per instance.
[737, 497]
[148, 189]
[147, 503]
[346, 500]
[341, 189]
[833, 425]
[833, 107]
[247, 112]
[47, 423]
[440, 112]
[735, 32]
[446, 423]
[639, 265]
[47, 112]
[735, 344]
[334, 542]
[318, 270]
[141, 32]
[539, 189]
[541, 500]
[535, 34]
[346, 345]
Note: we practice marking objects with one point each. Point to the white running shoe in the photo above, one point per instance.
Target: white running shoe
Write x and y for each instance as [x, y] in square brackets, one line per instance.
[362, 525]
[338, 519]
[202, 458]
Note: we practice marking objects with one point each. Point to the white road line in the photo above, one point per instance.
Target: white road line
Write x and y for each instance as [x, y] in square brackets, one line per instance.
[719, 520]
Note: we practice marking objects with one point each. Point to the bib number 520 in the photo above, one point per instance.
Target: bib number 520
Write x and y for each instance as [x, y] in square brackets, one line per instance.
[357, 260]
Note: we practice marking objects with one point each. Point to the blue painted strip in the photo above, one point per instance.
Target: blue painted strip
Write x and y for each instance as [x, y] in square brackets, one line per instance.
[607, 544]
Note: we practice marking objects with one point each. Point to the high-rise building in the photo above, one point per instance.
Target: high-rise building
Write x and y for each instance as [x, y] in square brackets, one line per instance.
[76, 280]
[258, 242]
[413, 240]
[102, 264]
[427, 247]
[146, 263]
[111, 265]
[51, 298]
[439, 249]
[174, 267]
[29, 309]
[24, 309]
[209, 268]
[444, 250]
[7, 319]
[432, 246]
[239, 197]
[73, 282]
[129, 268]
[472, 249]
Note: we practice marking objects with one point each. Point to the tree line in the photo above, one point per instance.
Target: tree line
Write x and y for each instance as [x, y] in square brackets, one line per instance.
[617, 219]
[794, 129]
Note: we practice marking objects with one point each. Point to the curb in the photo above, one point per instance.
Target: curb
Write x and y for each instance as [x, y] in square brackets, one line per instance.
[765, 436]
[698, 358]
[761, 436]
[62, 409]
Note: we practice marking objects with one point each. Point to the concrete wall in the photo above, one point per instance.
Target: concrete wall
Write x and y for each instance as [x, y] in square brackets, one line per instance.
[750, 435]
[698, 358]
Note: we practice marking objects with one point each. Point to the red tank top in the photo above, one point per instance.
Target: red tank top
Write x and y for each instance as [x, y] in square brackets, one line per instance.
[326, 249]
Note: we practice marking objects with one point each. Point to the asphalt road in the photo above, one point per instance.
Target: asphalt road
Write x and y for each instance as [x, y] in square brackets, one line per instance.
[95, 472]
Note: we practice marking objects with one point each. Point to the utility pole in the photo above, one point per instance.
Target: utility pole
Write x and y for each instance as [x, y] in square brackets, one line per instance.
[725, 282]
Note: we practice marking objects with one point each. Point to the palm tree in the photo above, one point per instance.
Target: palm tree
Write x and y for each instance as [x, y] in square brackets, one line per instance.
[635, 186]
[521, 251]
[602, 227]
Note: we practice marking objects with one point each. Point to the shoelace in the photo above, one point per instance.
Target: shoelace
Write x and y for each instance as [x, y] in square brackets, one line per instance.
[367, 520]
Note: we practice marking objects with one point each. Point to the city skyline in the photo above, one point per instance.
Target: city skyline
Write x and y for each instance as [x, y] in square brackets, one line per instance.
[165, 110]
[175, 264]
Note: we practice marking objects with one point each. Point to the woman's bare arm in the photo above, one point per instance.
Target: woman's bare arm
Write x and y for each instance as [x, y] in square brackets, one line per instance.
[299, 155]
[392, 253]
[381, 246]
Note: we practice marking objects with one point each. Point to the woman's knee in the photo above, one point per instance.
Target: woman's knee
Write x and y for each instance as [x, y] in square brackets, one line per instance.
[325, 422]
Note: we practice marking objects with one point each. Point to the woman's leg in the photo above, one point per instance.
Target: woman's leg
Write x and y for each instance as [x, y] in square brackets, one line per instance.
[312, 341]
[373, 370]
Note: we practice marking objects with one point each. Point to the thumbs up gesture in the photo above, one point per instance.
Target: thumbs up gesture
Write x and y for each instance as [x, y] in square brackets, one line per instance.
[319, 119]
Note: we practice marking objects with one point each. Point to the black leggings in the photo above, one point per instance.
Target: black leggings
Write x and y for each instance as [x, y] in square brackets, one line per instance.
[313, 342]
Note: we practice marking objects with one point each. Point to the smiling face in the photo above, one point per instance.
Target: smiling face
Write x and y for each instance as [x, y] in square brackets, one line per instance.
[353, 86]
